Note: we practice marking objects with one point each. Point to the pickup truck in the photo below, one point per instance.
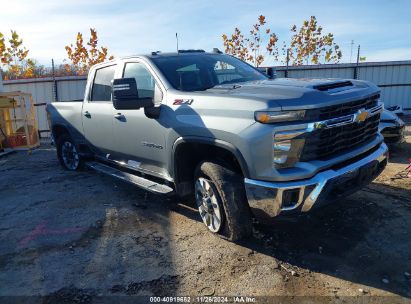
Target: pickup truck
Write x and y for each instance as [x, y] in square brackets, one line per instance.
[210, 127]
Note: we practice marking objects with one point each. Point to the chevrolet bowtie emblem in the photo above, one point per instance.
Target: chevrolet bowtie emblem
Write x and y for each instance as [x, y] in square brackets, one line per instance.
[361, 116]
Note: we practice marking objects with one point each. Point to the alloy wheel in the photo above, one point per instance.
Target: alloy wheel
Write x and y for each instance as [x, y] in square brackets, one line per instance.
[70, 156]
[208, 204]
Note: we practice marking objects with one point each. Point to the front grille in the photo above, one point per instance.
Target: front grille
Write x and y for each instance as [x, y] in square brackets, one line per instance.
[321, 144]
[342, 109]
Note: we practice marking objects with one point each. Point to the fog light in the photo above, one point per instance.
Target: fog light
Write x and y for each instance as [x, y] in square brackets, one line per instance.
[287, 147]
[280, 159]
[281, 149]
[284, 145]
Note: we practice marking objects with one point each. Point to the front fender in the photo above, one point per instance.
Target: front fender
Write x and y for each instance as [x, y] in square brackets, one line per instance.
[209, 141]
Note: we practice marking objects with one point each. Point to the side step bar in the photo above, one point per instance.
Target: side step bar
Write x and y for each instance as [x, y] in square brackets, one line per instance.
[131, 178]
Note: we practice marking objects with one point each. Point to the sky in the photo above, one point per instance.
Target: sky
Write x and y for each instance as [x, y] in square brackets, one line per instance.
[382, 28]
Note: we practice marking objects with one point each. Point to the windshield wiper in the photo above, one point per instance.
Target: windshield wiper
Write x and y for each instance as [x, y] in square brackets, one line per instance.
[228, 86]
[206, 88]
[220, 86]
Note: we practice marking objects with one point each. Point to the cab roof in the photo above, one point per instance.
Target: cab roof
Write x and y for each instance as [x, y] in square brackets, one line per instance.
[158, 54]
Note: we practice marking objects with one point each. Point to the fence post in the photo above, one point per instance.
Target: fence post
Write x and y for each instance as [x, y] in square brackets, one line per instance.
[287, 60]
[1, 82]
[55, 91]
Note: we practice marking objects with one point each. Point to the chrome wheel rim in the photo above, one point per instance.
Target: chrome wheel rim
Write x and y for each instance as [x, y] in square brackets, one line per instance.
[70, 156]
[208, 205]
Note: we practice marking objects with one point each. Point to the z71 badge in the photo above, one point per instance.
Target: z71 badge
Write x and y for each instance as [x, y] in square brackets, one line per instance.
[178, 102]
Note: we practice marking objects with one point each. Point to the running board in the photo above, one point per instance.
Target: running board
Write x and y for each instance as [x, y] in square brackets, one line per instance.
[131, 178]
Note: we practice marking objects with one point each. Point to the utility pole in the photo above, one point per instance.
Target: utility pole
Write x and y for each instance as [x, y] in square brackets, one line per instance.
[177, 41]
[352, 45]
[358, 62]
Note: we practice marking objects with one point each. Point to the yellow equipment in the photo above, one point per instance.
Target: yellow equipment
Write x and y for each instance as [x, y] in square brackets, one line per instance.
[18, 123]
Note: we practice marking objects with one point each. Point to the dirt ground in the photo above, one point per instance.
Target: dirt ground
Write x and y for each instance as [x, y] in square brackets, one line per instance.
[79, 236]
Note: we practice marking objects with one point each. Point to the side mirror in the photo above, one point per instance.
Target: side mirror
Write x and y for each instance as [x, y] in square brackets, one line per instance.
[125, 95]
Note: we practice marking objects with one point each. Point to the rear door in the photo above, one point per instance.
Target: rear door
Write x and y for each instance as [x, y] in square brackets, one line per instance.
[98, 111]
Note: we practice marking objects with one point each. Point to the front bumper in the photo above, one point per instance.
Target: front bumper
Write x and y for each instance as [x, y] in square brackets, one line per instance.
[269, 199]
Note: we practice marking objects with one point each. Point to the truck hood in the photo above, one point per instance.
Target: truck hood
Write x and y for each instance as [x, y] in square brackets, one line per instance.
[289, 93]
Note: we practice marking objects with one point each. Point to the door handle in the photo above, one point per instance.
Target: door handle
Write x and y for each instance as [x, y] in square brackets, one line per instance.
[87, 114]
[119, 116]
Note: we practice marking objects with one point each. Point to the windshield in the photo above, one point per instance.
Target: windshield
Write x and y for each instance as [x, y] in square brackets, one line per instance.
[196, 72]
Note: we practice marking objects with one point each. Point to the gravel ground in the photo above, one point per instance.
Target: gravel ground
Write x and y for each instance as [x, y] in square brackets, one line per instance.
[76, 236]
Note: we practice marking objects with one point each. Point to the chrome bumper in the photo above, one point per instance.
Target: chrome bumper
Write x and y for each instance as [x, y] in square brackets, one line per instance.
[267, 199]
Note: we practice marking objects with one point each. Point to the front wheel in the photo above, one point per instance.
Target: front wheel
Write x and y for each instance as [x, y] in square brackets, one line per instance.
[67, 154]
[221, 201]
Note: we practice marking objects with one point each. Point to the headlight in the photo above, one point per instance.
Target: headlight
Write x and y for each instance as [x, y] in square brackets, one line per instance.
[273, 117]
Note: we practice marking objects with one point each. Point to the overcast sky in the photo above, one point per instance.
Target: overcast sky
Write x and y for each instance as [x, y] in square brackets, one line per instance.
[131, 27]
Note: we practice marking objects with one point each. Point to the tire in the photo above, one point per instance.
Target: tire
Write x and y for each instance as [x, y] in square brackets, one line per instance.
[67, 153]
[221, 201]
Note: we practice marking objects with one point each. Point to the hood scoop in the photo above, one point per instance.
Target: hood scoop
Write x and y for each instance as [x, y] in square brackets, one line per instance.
[336, 86]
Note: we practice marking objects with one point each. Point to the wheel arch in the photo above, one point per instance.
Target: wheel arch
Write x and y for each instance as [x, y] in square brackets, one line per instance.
[58, 130]
[188, 152]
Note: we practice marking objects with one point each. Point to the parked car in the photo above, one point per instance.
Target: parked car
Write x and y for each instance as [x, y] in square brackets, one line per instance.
[391, 127]
[211, 127]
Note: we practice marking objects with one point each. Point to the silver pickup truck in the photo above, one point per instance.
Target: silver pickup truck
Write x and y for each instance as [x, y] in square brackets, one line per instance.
[211, 127]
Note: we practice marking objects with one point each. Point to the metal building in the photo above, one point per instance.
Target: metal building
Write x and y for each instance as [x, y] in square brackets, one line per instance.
[393, 77]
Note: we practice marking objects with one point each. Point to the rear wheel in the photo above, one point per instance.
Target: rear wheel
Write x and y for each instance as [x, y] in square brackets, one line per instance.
[221, 201]
[67, 154]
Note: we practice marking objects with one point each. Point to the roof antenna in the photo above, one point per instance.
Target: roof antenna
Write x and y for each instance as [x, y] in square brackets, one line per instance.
[177, 41]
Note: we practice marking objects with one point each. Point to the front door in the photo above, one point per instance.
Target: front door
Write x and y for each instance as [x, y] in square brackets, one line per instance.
[98, 112]
[140, 140]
